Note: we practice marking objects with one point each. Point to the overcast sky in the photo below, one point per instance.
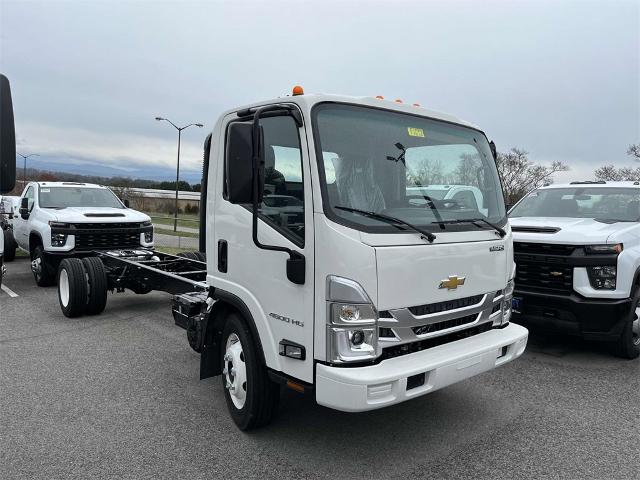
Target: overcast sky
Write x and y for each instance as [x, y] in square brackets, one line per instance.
[560, 79]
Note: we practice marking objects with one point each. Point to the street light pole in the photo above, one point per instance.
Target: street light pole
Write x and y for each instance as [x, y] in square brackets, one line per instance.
[179, 129]
[24, 171]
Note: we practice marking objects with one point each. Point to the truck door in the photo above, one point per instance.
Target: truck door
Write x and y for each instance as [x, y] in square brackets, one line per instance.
[281, 309]
[20, 225]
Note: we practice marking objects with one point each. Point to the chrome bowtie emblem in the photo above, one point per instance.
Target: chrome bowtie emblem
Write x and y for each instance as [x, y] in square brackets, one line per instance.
[452, 282]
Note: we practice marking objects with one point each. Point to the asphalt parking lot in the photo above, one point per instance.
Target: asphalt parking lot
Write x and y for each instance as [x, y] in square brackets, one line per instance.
[118, 395]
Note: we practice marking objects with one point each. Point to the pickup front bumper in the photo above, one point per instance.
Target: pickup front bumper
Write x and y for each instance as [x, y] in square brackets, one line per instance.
[589, 318]
[401, 378]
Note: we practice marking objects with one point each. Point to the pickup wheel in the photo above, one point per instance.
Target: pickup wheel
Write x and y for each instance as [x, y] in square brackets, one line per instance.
[97, 285]
[72, 287]
[628, 345]
[42, 270]
[9, 246]
[252, 398]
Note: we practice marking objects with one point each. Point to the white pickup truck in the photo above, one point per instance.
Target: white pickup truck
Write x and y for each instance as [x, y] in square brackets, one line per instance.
[56, 220]
[577, 251]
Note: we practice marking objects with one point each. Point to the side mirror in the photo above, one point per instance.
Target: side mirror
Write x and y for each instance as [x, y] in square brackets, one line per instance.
[494, 151]
[7, 138]
[126, 202]
[24, 208]
[239, 174]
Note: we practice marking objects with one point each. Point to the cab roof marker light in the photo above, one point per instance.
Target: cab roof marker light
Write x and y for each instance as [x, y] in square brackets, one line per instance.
[297, 90]
[416, 104]
[398, 100]
[379, 97]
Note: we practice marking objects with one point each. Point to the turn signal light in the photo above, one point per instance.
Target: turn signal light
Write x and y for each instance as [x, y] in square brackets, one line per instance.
[298, 90]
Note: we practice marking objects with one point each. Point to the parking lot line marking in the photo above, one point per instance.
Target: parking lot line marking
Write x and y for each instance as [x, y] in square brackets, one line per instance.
[10, 292]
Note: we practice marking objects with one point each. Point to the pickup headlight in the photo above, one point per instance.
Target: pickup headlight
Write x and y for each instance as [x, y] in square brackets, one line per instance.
[612, 248]
[58, 239]
[148, 235]
[603, 278]
[352, 322]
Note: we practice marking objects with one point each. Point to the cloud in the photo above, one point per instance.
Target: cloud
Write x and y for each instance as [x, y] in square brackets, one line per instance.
[121, 150]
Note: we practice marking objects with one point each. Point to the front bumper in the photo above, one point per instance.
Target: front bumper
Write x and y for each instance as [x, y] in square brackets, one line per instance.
[367, 388]
[589, 318]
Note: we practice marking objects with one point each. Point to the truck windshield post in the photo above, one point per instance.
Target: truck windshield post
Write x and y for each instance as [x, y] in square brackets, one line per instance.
[296, 261]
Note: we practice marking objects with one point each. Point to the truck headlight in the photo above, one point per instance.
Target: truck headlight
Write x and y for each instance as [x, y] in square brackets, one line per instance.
[58, 239]
[606, 248]
[603, 278]
[506, 303]
[352, 322]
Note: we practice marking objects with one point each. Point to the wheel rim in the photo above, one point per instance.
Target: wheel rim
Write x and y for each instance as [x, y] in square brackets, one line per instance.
[635, 328]
[63, 288]
[235, 371]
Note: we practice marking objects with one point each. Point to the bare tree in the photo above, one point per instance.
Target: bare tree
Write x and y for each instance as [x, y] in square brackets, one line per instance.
[634, 151]
[427, 172]
[519, 175]
[609, 173]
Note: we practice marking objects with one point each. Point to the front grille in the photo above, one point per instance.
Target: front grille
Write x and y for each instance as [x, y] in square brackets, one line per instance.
[107, 235]
[436, 327]
[546, 277]
[421, 310]
[407, 348]
[543, 248]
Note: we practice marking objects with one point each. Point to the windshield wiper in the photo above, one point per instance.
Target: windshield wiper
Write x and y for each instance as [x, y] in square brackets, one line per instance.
[475, 221]
[430, 237]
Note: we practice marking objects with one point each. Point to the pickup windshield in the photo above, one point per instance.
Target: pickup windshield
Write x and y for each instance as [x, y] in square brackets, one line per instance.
[425, 172]
[63, 197]
[600, 203]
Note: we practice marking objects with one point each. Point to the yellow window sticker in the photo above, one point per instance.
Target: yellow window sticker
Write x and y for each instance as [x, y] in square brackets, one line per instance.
[415, 132]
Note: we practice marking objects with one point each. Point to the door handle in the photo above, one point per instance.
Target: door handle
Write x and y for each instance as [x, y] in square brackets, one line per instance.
[222, 256]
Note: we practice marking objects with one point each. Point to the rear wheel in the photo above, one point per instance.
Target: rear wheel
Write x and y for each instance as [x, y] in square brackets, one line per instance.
[41, 268]
[72, 287]
[97, 285]
[252, 398]
[9, 246]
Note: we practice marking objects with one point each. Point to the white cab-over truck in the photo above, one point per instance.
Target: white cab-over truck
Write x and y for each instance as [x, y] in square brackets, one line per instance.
[347, 290]
[56, 220]
[577, 250]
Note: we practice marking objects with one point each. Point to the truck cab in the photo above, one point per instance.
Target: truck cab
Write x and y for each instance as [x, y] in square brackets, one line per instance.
[577, 250]
[56, 220]
[327, 276]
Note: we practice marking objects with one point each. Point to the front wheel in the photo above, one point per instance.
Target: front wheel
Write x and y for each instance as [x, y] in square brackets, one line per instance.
[42, 270]
[252, 398]
[9, 246]
[72, 287]
[628, 345]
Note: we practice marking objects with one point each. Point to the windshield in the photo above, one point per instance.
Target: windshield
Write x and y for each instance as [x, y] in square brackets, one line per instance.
[621, 204]
[415, 169]
[62, 197]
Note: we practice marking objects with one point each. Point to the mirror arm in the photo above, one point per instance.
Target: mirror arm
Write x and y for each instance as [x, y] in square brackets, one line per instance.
[296, 261]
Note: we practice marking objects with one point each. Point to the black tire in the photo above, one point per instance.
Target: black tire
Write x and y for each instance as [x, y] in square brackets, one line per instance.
[200, 256]
[262, 395]
[42, 271]
[9, 246]
[97, 285]
[188, 255]
[72, 287]
[628, 345]
[141, 289]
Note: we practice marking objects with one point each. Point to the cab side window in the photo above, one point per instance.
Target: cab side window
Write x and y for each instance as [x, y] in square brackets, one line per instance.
[30, 196]
[282, 205]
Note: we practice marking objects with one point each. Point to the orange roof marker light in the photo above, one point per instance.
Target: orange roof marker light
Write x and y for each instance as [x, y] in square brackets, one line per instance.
[298, 90]
[398, 100]
[379, 97]
[416, 104]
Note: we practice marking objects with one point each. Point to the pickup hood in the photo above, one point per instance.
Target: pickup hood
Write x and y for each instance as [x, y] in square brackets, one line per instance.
[410, 275]
[576, 231]
[97, 215]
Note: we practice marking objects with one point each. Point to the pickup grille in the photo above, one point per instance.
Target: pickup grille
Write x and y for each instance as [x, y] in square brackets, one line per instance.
[543, 248]
[544, 267]
[107, 235]
[438, 307]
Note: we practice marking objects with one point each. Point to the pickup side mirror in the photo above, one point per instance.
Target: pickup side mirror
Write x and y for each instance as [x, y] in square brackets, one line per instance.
[126, 202]
[24, 208]
[239, 174]
[7, 138]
